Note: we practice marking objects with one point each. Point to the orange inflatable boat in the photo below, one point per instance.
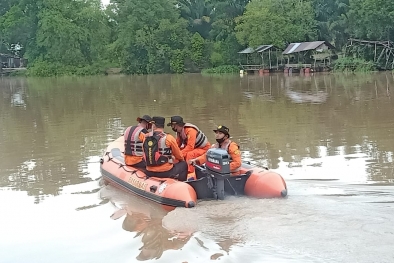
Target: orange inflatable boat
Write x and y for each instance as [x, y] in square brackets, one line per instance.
[214, 180]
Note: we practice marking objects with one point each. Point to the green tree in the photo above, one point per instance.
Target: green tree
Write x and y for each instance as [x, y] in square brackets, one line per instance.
[198, 14]
[223, 19]
[17, 25]
[149, 34]
[197, 49]
[71, 38]
[371, 19]
[226, 46]
[332, 20]
[276, 22]
[72, 32]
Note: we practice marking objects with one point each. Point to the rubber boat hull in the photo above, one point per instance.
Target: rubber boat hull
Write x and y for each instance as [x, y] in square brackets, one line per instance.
[253, 181]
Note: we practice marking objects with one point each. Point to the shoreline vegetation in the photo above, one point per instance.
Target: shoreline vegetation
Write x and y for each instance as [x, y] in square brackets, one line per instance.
[164, 36]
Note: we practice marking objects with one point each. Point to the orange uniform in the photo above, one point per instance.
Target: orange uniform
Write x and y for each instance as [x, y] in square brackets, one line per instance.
[233, 149]
[176, 152]
[191, 135]
[189, 150]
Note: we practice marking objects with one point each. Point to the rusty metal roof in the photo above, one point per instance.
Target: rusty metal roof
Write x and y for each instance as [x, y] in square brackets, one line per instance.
[259, 49]
[263, 48]
[304, 46]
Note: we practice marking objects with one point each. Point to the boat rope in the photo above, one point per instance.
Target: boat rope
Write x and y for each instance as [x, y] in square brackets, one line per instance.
[121, 165]
[235, 192]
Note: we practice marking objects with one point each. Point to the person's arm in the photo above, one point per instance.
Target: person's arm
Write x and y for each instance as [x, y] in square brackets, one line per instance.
[178, 139]
[235, 154]
[171, 142]
[191, 135]
[201, 159]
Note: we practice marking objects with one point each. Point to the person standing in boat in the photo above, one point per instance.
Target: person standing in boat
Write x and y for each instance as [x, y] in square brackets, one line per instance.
[159, 148]
[223, 141]
[191, 140]
[133, 138]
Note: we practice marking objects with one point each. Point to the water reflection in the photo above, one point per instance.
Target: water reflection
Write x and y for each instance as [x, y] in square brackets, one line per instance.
[306, 89]
[154, 237]
[15, 90]
[145, 219]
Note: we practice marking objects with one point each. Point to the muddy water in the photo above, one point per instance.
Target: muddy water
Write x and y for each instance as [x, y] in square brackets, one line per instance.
[330, 136]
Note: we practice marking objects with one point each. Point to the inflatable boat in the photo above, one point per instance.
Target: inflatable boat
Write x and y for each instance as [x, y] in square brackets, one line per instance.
[214, 180]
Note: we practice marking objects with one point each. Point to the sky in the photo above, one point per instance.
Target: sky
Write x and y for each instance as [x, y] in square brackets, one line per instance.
[105, 2]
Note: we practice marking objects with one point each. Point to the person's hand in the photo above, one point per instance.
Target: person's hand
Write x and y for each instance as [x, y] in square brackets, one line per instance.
[192, 161]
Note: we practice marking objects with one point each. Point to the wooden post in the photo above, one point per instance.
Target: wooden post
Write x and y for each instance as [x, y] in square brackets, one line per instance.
[269, 56]
[392, 63]
[277, 60]
[314, 63]
[388, 53]
[374, 57]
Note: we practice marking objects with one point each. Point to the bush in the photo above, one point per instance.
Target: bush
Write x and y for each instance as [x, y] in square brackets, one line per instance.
[49, 69]
[225, 69]
[353, 64]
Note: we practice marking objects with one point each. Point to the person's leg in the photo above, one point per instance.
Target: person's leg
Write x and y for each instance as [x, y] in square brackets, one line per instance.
[178, 171]
[141, 164]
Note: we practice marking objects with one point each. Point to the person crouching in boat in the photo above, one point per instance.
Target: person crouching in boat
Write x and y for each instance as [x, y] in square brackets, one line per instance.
[133, 137]
[191, 140]
[222, 141]
[159, 148]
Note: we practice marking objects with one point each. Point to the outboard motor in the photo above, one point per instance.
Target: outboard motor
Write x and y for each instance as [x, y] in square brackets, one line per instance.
[218, 162]
[218, 166]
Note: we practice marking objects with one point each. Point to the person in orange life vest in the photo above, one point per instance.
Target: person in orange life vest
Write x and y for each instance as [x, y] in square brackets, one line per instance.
[222, 141]
[133, 137]
[159, 148]
[191, 140]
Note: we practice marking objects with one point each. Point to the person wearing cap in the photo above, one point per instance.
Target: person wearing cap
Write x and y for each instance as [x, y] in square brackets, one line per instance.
[159, 148]
[191, 140]
[222, 136]
[133, 138]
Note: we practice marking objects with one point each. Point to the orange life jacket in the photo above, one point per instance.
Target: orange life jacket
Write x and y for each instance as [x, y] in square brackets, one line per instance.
[201, 140]
[133, 144]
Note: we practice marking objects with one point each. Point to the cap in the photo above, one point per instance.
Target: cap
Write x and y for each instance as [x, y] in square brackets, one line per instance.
[176, 120]
[158, 120]
[145, 118]
[223, 129]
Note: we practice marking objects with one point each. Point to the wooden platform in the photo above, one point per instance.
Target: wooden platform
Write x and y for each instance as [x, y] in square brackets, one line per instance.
[7, 71]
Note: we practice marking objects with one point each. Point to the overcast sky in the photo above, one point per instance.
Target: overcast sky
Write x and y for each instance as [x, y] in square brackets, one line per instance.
[105, 2]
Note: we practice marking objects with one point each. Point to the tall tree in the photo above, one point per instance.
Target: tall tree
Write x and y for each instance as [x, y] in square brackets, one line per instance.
[276, 22]
[150, 35]
[198, 13]
[223, 19]
[71, 32]
[371, 19]
[332, 20]
[17, 25]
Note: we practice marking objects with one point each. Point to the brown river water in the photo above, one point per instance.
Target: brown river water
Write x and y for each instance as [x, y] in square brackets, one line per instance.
[329, 135]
